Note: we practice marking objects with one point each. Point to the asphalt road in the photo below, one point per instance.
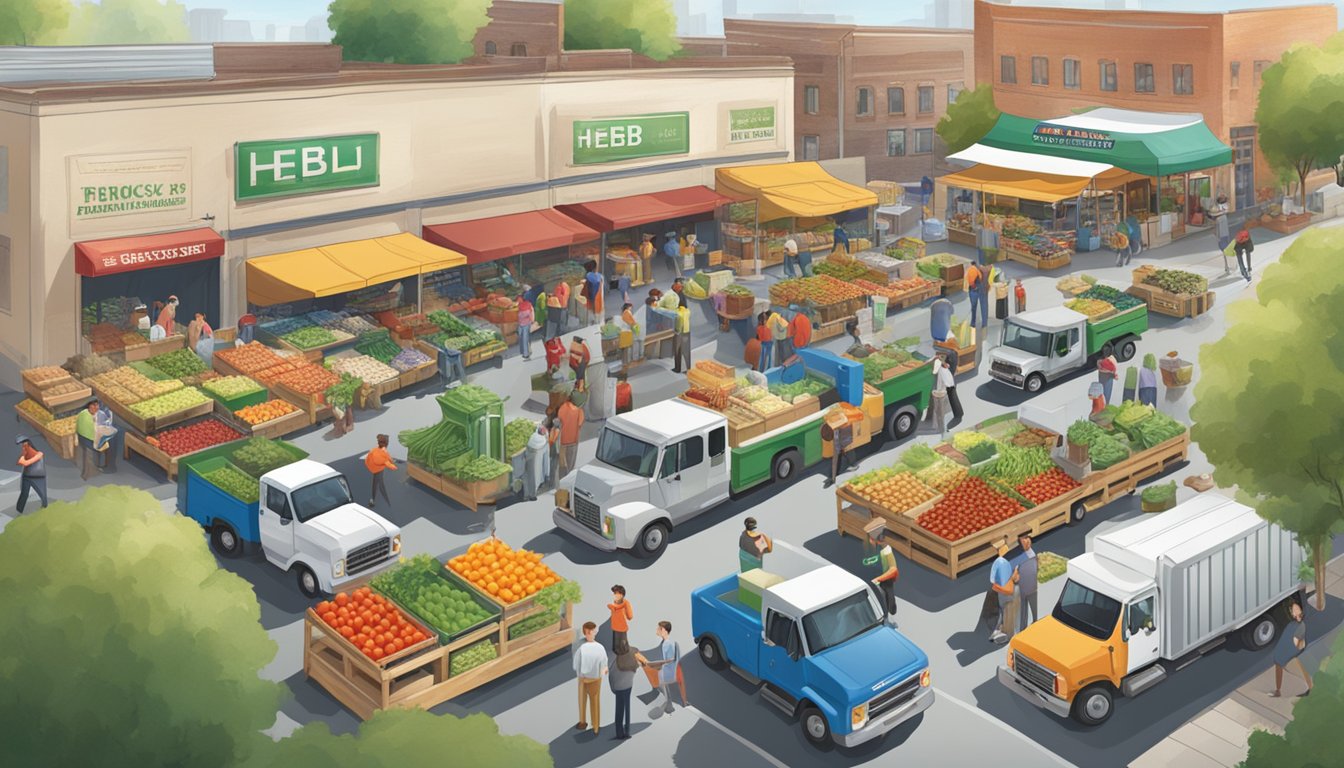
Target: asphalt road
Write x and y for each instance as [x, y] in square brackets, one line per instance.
[974, 721]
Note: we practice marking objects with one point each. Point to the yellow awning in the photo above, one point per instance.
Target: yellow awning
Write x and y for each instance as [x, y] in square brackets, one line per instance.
[1117, 177]
[331, 269]
[785, 190]
[993, 180]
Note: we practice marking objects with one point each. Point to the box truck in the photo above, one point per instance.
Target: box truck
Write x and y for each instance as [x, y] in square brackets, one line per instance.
[1150, 598]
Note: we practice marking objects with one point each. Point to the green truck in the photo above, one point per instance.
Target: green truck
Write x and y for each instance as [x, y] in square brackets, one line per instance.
[1042, 346]
[663, 464]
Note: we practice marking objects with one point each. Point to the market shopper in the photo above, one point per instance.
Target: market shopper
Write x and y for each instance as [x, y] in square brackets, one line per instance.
[841, 437]
[535, 463]
[33, 476]
[840, 236]
[1026, 566]
[1148, 380]
[857, 350]
[571, 422]
[977, 288]
[669, 659]
[1003, 583]
[1243, 248]
[672, 250]
[579, 357]
[1292, 642]
[767, 341]
[592, 289]
[632, 348]
[622, 613]
[621, 678]
[557, 310]
[681, 341]
[377, 461]
[646, 259]
[938, 405]
[201, 337]
[1108, 370]
[679, 290]
[247, 328]
[553, 450]
[1218, 213]
[590, 664]
[790, 258]
[86, 430]
[625, 397]
[752, 546]
[886, 580]
[1020, 294]
[1120, 244]
[949, 384]
[107, 442]
[800, 329]
[779, 333]
[526, 317]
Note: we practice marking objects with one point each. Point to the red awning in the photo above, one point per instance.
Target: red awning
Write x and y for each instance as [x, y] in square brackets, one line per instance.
[499, 237]
[96, 258]
[624, 212]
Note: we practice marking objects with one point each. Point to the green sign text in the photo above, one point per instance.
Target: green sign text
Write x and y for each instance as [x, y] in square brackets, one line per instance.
[756, 124]
[613, 139]
[303, 166]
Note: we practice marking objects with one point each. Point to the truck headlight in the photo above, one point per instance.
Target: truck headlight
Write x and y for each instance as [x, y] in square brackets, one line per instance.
[858, 717]
[396, 544]
[926, 679]
[1010, 658]
[608, 527]
[338, 568]
[562, 499]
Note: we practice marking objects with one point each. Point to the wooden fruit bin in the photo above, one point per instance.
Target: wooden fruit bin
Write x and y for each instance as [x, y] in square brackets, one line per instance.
[484, 352]
[148, 426]
[138, 444]
[274, 429]
[314, 405]
[1172, 304]
[830, 329]
[1024, 257]
[64, 445]
[473, 496]
[54, 403]
[424, 371]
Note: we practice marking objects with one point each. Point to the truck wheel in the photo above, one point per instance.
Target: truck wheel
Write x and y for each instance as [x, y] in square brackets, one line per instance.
[1077, 512]
[815, 728]
[308, 583]
[1260, 633]
[711, 654]
[785, 466]
[225, 540]
[1035, 383]
[1127, 351]
[1093, 705]
[901, 423]
[652, 540]
[1107, 350]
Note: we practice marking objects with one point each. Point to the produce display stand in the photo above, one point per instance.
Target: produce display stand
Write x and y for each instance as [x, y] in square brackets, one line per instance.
[1055, 261]
[314, 406]
[1172, 304]
[241, 401]
[966, 356]
[63, 445]
[273, 429]
[424, 371]
[138, 444]
[41, 392]
[473, 495]
[484, 352]
[952, 558]
[150, 349]
[930, 289]
[152, 424]
[830, 330]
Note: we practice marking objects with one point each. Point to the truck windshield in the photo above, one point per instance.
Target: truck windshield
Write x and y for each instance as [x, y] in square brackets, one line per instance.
[840, 621]
[1025, 339]
[320, 498]
[1089, 612]
[626, 453]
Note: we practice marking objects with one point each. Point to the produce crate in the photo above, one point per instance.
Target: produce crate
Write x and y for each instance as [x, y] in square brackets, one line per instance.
[484, 352]
[466, 495]
[1030, 259]
[1171, 304]
[232, 404]
[274, 429]
[423, 680]
[961, 237]
[64, 445]
[148, 426]
[138, 444]
[446, 638]
[912, 243]
[163, 346]
[738, 305]
[423, 371]
[831, 329]
[314, 405]
[59, 402]
[930, 289]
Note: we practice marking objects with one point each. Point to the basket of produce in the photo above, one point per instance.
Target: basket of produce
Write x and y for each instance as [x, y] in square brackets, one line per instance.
[235, 392]
[373, 625]
[178, 405]
[808, 386]
[1175, 371]
[738, 300]
[1119, 299]
[833, 298]
[971, 506]
[197, 436]
[310, 337]
[365, 368]
[260, 414]
[1177, 281]
[450, 608]
[247, 359]
[503, 574]
[1095, 309]
[178, 364]
[1158, 498]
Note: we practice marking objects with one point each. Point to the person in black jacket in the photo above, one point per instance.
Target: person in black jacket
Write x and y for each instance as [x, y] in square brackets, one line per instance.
[1243, 247]
[34, 473]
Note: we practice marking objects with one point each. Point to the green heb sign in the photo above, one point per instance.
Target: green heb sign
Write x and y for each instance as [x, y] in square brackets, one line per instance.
[289, 167]
[756, 124]
[613, 139]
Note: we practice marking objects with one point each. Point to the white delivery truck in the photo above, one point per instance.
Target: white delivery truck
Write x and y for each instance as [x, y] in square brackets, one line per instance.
[1152, 597]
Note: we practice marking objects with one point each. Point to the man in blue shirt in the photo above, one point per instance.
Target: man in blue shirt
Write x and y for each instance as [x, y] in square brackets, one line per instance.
[1002, 580]
[672, 250]
[841, 237]
[1026, 566]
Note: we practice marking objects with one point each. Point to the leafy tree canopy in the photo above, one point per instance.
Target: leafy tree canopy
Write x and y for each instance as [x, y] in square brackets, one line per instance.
[1300, 110]
[1311, 740]
[968, 119]
[647, 27]
[123, 637]
[1269, 403]
[30, 22]
[407, 31]
[125, 22]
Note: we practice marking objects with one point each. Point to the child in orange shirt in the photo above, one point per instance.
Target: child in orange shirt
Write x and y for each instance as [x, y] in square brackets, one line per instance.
[621, 614]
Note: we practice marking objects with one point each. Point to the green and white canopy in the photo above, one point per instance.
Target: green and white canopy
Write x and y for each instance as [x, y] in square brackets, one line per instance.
[1148, 143]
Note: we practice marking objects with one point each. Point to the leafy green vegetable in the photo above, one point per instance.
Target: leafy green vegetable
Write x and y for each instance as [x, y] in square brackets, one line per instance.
[1084, 432]
[808, 385]
[342, 393]
[963, 441]
[919, 456]
[1106, 451]
[378, 345]
[1016, 465]
[471, 657]
[516, 435]
[467, 468]
[1178, 282]
[981, 451]
[309, 337]
[234, 483]
[260, 455]
[1118, 299]
[1164, 493]
[179, 363]
[1158, 429]
[417, 585]
[1131, 413]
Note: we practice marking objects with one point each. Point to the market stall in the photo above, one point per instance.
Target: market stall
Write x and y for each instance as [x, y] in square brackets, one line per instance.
[126, 282]
[797, 201]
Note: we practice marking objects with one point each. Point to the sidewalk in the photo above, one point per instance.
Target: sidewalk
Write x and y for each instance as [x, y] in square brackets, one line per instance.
[1217, 736]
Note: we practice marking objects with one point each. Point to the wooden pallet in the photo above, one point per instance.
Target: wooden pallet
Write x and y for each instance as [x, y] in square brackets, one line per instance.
[952, 558]
[422, 679]
[64, 445]
[472, 497]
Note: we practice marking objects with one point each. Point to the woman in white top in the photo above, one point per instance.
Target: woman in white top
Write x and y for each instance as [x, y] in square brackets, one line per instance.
[949, 385]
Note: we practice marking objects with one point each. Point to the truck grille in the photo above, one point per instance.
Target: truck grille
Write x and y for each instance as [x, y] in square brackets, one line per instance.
[586, 512]
[1008, 369]
[1034, 673]
[367, 556]
[894, 698]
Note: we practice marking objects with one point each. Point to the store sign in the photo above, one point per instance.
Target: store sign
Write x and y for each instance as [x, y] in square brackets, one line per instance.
[96, 258]
[756, 124]
[290, 167]
[152, 187]
[1078, 138]
[613, 139]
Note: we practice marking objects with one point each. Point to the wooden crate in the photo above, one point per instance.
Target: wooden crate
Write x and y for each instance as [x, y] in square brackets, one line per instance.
[930, 290]
[64, 445]
[484, 352]
[424, 371]
[1172, 304]
[1023, 257]
[831, 329]
[314, 405]
[135, 443]
[147, 426]
[57, 403]
[472, 497]
[422, 679]
[961, 237]
[274, 429]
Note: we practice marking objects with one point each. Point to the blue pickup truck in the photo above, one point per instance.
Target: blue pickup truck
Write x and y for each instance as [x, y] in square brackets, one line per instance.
[814, 637]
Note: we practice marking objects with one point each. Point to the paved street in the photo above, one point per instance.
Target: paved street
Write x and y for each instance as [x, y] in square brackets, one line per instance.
[975, 721]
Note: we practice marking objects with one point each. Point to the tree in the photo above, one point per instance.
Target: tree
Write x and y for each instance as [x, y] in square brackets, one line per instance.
[968, 119]
[1300, 110]
[647, 27]
[124, 639]
[126, 22]
[407, 31]
[1311, 740]
[30, 22]
[409, 739]
[1269, 404]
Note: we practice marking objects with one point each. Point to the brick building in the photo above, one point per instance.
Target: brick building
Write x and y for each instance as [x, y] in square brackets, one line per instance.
[518, 28]
[875, 92]
[1047, 62]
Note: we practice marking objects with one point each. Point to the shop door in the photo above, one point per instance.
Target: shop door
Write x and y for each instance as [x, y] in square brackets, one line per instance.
[1243, 158]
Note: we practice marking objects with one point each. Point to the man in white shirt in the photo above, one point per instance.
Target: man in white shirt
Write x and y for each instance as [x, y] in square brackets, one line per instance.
[790, 257]
[590, 664]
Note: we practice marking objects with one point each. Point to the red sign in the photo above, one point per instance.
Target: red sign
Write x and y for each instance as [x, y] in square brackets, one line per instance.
[96, 258]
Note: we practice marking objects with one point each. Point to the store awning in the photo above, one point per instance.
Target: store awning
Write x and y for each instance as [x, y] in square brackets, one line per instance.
[1149, 143]
[96, 258]
[788, 190]
[1027, 161]
[332, 269]
[1117, 177]
[499, 237]
[994, 180]
[625, 212]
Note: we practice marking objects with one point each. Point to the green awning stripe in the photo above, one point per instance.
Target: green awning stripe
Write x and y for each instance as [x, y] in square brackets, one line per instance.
[1178, 150]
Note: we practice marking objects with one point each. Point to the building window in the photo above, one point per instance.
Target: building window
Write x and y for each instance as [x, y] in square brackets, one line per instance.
[923, 141]
[1143, 78]
[925, 99]
[1040, 70]
[954, 92]
[1108, 76]
[1234, 74]
[490, 48]
[518, 49]
[1260, 67]
[1073, 73]
[1008, 70]
[1183, 79]
[896, 142]
[811, 99]
[864, 106]
[895, 101]
[811, 147]
[6, 305]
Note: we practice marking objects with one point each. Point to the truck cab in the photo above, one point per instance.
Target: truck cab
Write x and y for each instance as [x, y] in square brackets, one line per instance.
[815, 639]
[1039, 347]
[655, 467]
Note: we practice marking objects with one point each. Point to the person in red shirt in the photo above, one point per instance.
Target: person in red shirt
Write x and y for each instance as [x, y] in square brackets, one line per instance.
[555, 352]
[767, 340]
[621, 614]
[579, 357]
[625, 397]
[376, 461]
[800, 329]
[1107, 372]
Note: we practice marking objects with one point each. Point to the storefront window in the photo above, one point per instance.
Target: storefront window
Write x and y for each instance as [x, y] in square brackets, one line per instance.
[1008, 70]
[110, 321]
[546, 268]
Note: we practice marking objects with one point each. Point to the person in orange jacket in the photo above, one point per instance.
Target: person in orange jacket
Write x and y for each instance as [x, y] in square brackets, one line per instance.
[625, 398]
[376, 461]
